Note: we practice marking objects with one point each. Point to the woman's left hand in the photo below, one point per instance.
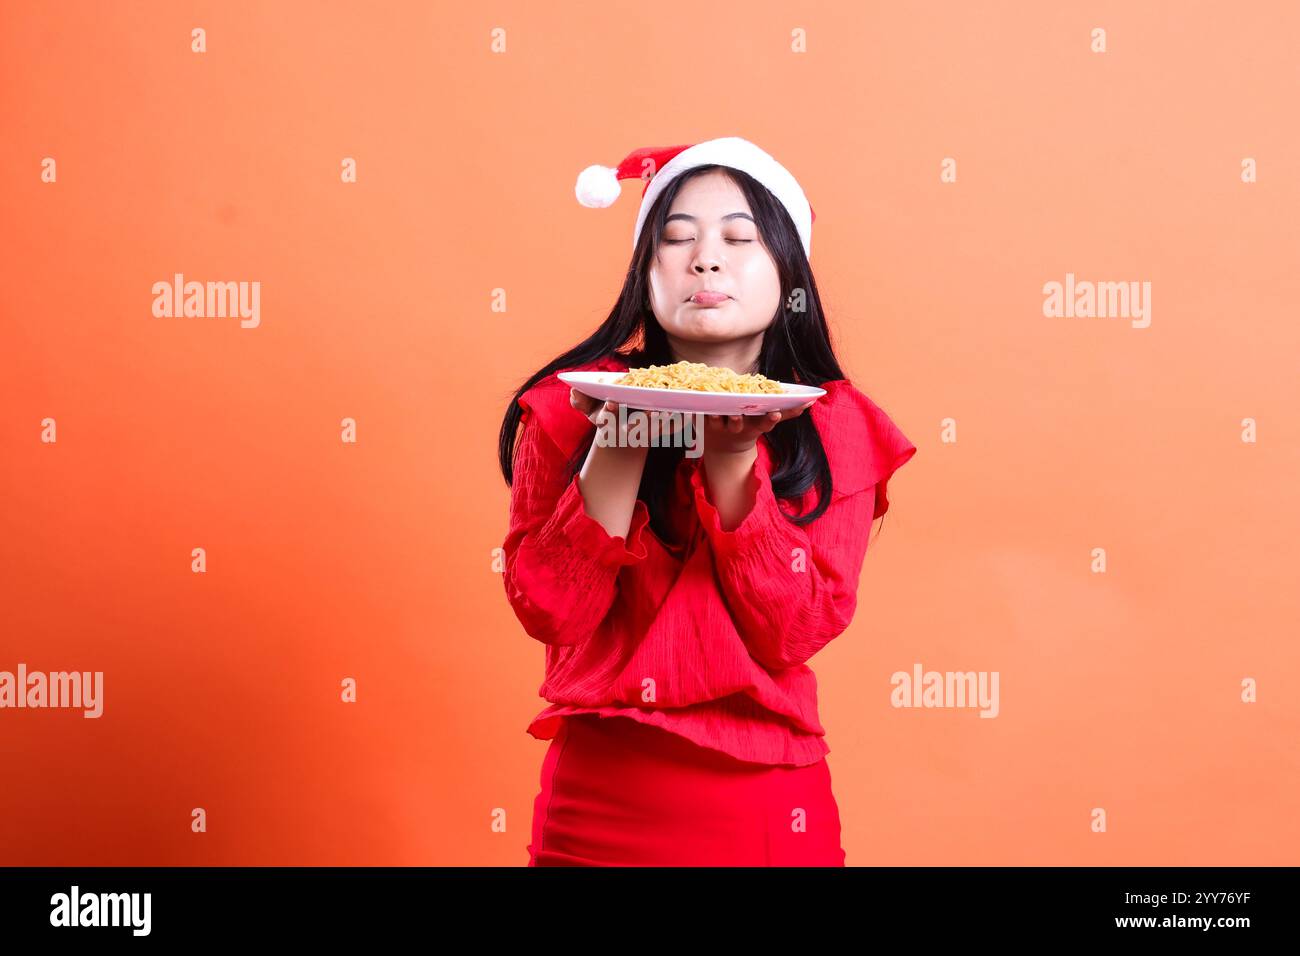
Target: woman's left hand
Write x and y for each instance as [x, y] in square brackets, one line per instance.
[732, 434]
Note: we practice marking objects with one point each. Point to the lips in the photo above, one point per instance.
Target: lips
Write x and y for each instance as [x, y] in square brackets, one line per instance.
[709, 298]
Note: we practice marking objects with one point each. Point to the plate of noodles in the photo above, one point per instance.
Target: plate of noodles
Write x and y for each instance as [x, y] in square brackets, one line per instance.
[692, 387]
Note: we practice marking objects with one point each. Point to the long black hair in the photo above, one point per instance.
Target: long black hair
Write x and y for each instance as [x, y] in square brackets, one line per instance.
[796, 348]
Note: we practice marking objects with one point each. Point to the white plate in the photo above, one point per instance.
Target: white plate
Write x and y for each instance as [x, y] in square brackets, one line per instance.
[600, 385]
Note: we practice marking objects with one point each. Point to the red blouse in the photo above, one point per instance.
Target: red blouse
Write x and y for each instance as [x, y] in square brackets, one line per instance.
[708, 639]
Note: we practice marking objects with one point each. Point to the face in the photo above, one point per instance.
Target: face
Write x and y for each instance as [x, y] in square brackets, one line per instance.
[710, 242]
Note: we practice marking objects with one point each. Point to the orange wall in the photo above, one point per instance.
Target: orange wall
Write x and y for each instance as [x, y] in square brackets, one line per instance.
[373, 560]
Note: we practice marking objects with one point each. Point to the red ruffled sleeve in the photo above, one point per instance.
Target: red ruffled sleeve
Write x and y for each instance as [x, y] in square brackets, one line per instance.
[561, 565]
[792, 589]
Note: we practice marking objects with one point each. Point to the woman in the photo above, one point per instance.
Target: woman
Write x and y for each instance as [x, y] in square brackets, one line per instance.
[680, 596]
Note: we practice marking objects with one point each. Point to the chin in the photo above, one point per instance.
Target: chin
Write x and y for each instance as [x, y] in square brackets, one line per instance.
[707, 328]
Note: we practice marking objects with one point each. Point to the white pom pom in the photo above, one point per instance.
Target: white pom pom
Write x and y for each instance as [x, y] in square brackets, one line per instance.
[598, 187]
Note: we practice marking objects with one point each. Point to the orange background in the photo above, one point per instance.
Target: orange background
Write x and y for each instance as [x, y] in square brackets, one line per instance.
[374, 561]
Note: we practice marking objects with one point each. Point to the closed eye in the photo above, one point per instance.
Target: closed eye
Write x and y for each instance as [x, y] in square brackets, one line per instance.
[678, 242]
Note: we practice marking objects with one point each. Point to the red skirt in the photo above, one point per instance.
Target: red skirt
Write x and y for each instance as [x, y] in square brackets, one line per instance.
[617, 792]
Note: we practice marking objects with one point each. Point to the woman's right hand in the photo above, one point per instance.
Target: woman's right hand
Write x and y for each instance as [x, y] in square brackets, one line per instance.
[596, 410]
[611, 475]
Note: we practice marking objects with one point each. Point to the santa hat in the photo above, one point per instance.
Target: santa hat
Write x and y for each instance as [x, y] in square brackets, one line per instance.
[598, 186]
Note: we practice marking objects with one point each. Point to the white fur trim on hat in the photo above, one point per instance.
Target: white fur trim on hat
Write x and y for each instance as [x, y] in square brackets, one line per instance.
[740, 154]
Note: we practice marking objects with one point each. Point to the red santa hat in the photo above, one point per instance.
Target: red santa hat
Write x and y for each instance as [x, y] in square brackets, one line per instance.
[598, 186]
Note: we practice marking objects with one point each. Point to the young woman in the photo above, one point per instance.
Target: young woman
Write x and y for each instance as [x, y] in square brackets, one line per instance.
[680, 597]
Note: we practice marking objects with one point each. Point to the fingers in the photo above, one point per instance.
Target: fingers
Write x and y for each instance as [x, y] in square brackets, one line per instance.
[593, 408]
[668, 423]
[797, 411]
[583, 403]
[736, 424]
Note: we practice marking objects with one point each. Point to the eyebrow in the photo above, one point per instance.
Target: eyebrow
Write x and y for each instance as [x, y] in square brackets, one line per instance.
[730, 215]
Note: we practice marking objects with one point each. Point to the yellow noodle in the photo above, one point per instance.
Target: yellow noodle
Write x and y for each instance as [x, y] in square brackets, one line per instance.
[699, 377]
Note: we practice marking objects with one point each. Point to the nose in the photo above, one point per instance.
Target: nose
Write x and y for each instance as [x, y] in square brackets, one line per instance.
[706, 262]
[708, 257]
